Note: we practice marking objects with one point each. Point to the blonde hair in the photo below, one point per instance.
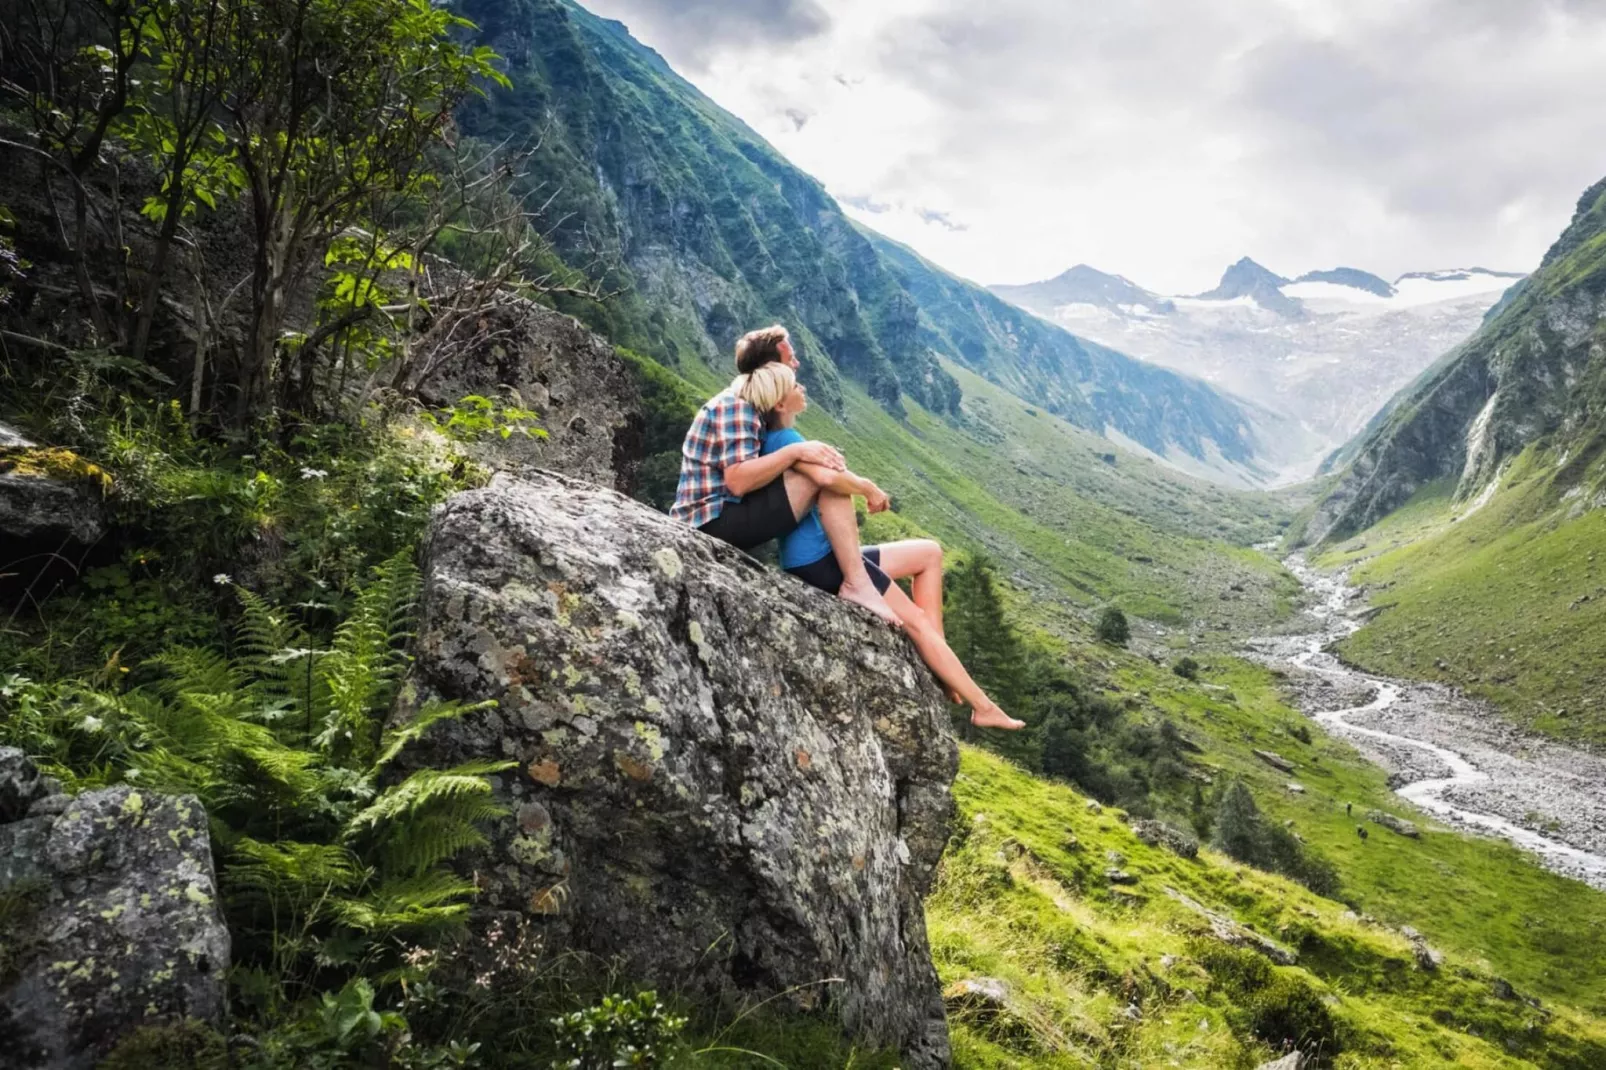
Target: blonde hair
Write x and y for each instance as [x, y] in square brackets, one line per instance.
[758, 348]
[766, 387]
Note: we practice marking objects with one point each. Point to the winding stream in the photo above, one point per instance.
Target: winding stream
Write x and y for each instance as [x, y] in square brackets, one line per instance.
[1444, 752]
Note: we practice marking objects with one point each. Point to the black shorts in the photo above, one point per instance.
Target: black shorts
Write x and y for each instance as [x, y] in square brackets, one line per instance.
[757, 518]
[826, 574]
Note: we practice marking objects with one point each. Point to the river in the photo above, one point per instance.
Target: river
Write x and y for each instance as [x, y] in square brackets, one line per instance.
[1449, 755]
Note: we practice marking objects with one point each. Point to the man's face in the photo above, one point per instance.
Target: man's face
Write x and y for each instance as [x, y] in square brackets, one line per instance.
[788, 357]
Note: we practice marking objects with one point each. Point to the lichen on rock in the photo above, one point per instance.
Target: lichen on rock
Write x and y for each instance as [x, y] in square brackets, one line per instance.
[123, 928]
[732, 783]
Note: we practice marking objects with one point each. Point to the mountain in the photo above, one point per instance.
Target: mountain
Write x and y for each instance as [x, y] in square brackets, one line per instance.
[1083, 285]
[1534, 372]
[703, 230]
[1248, 279]
[1353, 277]
[1475, 504]
[1325, 350]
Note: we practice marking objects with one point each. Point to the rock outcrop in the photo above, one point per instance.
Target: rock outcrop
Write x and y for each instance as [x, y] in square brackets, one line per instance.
[730, 782]
[587, 398]
[37, 508]
[114, 924]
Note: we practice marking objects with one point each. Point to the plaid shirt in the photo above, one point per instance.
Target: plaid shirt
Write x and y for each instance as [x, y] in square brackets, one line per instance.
[727, 431]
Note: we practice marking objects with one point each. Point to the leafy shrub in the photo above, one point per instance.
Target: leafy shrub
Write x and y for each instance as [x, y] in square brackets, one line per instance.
[1112, 627]
[1187, 668]
[1274, 1005]
[1298, 731]
[618, 1032]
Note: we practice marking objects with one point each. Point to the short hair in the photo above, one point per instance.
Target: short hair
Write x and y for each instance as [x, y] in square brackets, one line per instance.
[766, 387]
[758, 348]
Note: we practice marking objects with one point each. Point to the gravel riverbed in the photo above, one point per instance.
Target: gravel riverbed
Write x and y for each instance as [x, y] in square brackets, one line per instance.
[1450, 755]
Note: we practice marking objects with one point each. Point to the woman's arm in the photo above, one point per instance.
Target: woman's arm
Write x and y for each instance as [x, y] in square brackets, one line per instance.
[846, 482]
[744, 477]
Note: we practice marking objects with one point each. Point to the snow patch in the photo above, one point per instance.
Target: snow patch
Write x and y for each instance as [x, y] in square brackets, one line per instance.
[1477, 436]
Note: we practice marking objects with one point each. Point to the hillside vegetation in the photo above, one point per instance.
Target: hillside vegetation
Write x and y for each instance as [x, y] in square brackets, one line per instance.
[1506, 599]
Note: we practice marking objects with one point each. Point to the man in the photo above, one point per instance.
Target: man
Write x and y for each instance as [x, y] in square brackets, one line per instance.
[728, 490]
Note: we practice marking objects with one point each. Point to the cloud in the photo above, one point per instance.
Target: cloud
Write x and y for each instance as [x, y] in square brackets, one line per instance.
[688, 32]
[1164, 139]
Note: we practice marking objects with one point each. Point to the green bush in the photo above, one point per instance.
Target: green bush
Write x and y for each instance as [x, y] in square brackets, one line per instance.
[618, 1032]
[1112, 627]
[1187, 668]
[1241, 832]
[1273, 1005]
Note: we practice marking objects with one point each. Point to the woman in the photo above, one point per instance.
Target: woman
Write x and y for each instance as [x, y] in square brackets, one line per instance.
[806, 553]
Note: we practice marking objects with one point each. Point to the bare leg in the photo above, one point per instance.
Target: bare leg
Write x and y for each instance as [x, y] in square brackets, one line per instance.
[842, 528]
[920, 561]
[801, 491]
[942, 661]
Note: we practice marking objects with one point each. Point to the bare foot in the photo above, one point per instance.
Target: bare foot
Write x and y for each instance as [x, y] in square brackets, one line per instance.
[870, 598]
[993, 717]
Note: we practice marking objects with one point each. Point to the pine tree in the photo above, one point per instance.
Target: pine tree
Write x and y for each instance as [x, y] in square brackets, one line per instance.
[1239, 828]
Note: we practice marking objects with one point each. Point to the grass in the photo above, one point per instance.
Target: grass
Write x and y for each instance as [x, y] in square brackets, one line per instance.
[1104, 975]
[1508, 602]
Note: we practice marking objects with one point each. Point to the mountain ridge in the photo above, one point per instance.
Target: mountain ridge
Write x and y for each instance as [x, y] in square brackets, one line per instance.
[706, 231]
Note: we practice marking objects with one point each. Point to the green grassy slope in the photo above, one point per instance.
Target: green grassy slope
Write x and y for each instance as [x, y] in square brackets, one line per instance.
[1508, 602]
[1024, 898]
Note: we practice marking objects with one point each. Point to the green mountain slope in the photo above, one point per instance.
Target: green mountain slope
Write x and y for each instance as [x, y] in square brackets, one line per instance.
[708, 231]
[1535, 373]
[1473, 507]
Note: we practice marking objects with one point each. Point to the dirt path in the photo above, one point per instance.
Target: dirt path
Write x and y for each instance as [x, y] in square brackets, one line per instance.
[1448, 754]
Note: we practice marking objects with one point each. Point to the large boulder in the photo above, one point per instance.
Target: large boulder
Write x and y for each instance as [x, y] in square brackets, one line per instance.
[113, 923]
[731, 783]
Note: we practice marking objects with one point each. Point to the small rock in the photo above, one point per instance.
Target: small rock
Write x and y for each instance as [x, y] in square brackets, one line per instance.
[1160, 834]
[1296, 787]
[1132, 1013]
[1119, 876]
[1275, 760]
[1168, 961]
[20, 784]
[1114, 857]
[1093, 807]
[1502, 989]
[1294, 1060]
[1395, 824]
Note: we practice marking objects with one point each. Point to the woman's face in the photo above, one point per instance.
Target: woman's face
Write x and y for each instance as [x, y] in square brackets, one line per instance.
[795, 401]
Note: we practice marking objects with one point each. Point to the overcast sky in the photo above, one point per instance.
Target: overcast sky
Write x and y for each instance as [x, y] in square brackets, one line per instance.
[1163, 139]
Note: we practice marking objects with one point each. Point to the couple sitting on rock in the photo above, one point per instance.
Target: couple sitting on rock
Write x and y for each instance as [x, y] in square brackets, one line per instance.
[747, 476]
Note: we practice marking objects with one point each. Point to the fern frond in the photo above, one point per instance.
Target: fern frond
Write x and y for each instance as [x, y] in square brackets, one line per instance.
[438, 833]
[287, 872]
[423, 788]
[396, 740]
[429, 901]
[264, 631]
[367, 658]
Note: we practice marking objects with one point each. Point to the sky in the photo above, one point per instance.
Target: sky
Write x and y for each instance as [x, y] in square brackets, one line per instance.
[1007, 140]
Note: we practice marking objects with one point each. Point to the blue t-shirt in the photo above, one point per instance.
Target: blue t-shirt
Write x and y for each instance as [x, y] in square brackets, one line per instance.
[808, 543]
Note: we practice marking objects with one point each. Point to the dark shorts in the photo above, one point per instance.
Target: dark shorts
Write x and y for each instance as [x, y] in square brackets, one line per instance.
[826, 574]
[759, 517]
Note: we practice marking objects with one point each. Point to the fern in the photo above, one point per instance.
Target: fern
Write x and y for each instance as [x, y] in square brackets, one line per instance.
[397, 739]
[423, 789]
[430, 901]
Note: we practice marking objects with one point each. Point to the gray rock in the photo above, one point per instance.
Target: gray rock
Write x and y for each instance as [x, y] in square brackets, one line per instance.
[586, 396]
[20, 784]
[1233, 934]
[1160, 834]
[732, 782]
[40, 508]
[1119, 876]
[1294, 1060]
[1275, 760]
[1394, 824]
[121, 927]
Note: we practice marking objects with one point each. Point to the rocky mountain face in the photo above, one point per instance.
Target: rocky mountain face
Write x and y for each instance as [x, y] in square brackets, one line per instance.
[1324, 351]
[730, 782]
[1536, 371]
[707, 231]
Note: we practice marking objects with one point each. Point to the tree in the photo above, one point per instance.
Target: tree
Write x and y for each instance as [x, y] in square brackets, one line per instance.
[1238, 825]
[329, 104]
[1112, 627]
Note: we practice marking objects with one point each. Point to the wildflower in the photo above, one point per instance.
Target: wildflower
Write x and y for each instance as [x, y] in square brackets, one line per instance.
[222, 579]
[313, 473]
[92, 723]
